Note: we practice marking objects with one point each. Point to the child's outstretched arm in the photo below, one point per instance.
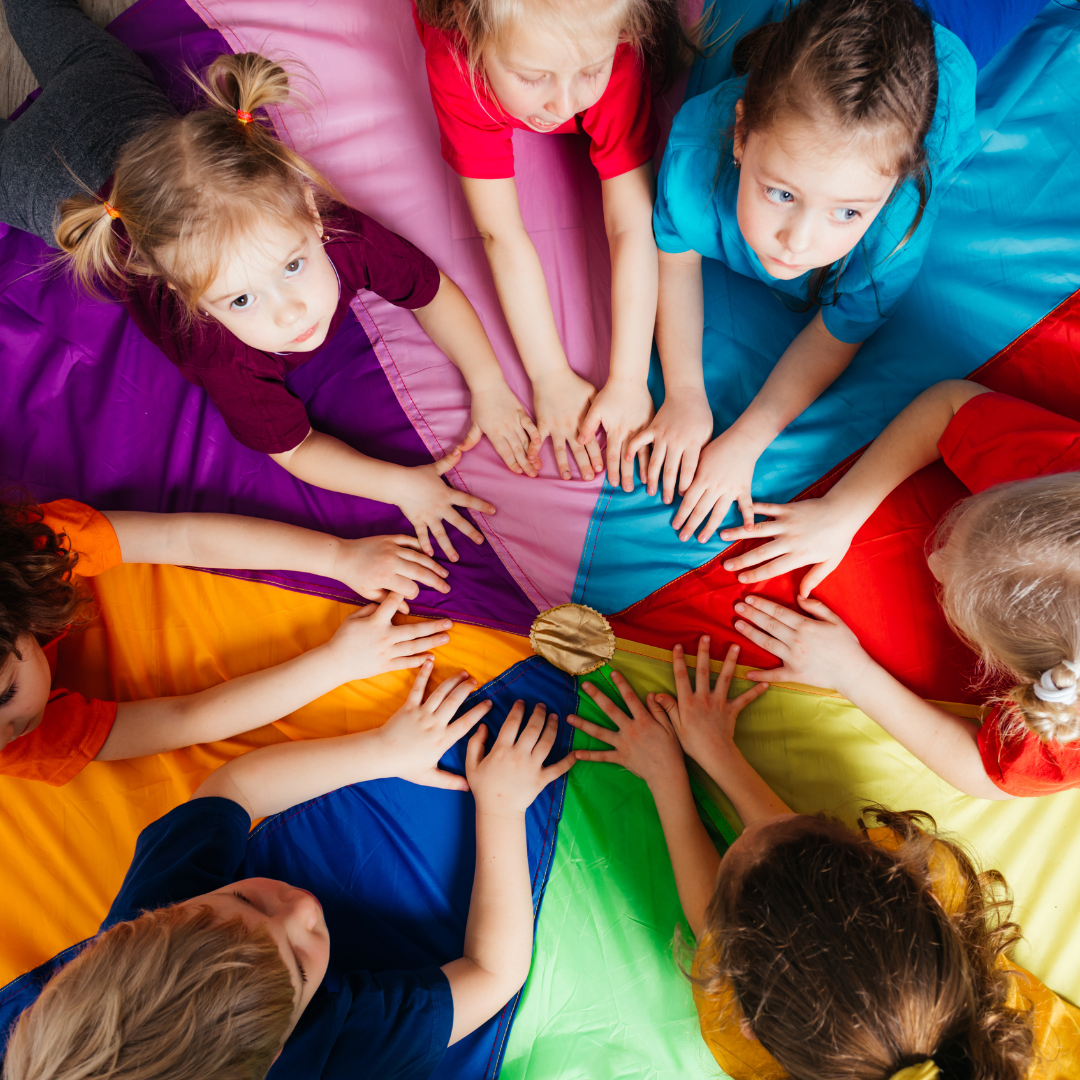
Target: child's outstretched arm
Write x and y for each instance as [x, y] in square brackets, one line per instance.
[371, 566]
[684, 422]
[818, 649]
[810, 364]
[452, 323]
[560, 397]
[499, 932]
[818, 532]
[624, 405]
[409, 745]
[367, 643]
[421, 494]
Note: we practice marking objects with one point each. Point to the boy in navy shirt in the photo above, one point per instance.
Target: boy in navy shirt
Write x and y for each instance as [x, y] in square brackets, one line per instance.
[197, 975]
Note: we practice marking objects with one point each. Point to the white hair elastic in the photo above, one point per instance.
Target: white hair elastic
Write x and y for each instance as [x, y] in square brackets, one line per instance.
[1047, 690]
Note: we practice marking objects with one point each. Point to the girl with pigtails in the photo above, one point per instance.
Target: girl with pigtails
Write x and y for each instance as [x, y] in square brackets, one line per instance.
[231, 252]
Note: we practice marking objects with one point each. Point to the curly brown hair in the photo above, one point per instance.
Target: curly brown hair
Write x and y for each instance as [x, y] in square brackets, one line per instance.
[37, 595]
[850, 961]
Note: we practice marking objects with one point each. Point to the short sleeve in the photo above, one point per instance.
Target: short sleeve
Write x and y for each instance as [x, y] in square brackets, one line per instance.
[89, 532]
[687, 214]
[1020, 763]
[621, 124]
[391, 1025]
[475, 137]
[368, 255]
[70, 735]
[996, 439]
[194, 849]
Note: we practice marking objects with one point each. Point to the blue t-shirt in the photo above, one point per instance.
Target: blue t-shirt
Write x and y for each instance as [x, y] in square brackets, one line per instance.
[389, 1025]
[698, 187]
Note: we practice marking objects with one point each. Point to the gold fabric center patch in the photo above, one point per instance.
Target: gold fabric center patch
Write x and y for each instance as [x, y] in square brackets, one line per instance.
[574, 638]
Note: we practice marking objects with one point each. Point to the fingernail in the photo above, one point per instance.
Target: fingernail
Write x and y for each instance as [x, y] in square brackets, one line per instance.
[727, 565]
[740, 607]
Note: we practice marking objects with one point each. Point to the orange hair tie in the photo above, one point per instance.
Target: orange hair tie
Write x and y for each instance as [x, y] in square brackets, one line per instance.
[244, 117]
[111, 211]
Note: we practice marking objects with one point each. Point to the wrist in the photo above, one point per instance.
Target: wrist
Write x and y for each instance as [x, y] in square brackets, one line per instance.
[496, 809]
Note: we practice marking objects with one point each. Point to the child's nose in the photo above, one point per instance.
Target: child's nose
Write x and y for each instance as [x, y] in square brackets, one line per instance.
[797, 234]
[289, 311]
[561, 104]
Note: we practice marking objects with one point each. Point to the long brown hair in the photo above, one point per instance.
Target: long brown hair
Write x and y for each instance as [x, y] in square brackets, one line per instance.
[37, 595]
[867, 69]
[188, 187]
[172, 995]
[847, 966]
[1011, 562]
[654, 28]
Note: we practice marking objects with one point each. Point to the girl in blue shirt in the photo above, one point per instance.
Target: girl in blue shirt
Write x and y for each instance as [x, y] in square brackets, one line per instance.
[819, 171]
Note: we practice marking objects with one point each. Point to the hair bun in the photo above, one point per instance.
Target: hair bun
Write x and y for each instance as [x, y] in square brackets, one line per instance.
[1058, 685]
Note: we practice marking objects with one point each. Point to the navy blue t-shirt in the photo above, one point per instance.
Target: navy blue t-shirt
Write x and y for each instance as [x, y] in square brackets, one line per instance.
[385, 1025]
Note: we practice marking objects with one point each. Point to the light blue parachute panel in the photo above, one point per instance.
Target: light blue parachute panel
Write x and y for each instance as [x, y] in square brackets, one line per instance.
[1005, 251]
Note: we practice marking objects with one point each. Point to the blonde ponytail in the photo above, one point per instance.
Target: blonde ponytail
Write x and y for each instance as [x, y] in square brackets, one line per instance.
[189, 187]
[1010, 558]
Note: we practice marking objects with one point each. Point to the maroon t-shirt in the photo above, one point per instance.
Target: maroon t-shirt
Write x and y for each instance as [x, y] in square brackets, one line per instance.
[247, 385]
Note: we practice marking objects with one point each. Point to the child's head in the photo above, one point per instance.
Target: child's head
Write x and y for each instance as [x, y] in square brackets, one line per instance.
[547, 60]
[844, 963]
[839, 98]
[208, 988]
[217, 208]
[1008, 560]
[38, 600]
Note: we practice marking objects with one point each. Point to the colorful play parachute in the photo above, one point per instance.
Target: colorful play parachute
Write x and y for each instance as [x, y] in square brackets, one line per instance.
[91, 410]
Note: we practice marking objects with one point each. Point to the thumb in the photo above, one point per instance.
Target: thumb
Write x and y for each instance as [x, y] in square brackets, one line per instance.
[815, 576]
[448, 781]
[587, 431]
[474, 752]
[445, 464]
[470, 440]
[389, 606]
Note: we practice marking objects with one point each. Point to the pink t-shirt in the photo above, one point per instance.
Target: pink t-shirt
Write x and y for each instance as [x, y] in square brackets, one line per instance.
[476, 132]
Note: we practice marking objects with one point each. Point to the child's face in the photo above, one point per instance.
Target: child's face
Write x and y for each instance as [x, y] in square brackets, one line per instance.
[277, 290]
[802, 205]
[292, 916]
[24, 690]
[543, 79]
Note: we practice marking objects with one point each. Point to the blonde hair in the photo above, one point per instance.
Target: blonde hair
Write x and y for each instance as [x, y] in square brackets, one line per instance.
[653, 27]
[1011, 560]
[188, 187]
[847, 966]
[173, 995]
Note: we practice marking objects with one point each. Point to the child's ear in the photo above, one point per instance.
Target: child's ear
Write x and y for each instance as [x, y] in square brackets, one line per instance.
[309, 198]
[746, 1030]
[740, 141]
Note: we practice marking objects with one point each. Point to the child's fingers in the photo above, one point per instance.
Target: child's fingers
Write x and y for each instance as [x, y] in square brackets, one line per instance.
[673, 468]
[416, 691]
[605, 735]
[474, 752]
[639, 441]
[690, 459]
[424, 629]
[610, 756]
[629, 695]
[816, 575]
[819, 610]
[534, 729]
[774, 613]
[701, 671]
[448, 781]
[727, 672]
[716, 519]
[746, 508]
[470, 440]
[461, 726]
[558, 768]
[561, 460]
[423, 539]
[696, 506]
[642, 465]
[519, 456]
[585, 465]
[596, 458]
[682, 676]
[606, 705]
[739, 703]
[412, 646]
[388, 607]
[437, 697]
[445, 464]
[508, 733]
[547, 736]
[666, 707]
[443, 540]
[454, 699]
[760, 554]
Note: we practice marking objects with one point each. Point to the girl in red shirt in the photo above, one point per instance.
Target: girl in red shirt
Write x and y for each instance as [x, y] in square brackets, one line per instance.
[1006, 560]
[563, 67]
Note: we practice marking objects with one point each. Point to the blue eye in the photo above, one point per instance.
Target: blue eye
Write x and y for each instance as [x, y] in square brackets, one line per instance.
[241, 302]
[294, 267]
[845, 214]
[778, 195]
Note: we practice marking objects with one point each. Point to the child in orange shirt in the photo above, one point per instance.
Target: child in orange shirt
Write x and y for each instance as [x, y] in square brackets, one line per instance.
[51, 734]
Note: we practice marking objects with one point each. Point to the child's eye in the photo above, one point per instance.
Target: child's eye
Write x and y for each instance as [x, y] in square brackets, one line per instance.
[845, 214]
[303, 973]
[241, 896]
[241, 302]
[528, 82]
[8, 694]
[294, 267]
[778, 195]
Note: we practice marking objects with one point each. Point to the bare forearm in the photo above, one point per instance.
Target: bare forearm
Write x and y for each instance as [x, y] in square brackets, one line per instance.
[157, 725]
[273, 778]
[452, 323]
[223, 540]
[498, 934]
[752, 798]
[694, 859]
[810, 364]
[945, 743]
[680, 322]
[329, 463]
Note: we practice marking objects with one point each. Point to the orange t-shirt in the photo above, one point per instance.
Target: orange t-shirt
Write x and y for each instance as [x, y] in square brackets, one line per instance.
[1055, 1022]
[73, 729]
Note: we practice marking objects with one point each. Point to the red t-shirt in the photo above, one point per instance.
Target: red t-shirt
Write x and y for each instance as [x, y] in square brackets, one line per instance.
[995, 439]
[476, 134]
[73, 729]
[247, 385]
